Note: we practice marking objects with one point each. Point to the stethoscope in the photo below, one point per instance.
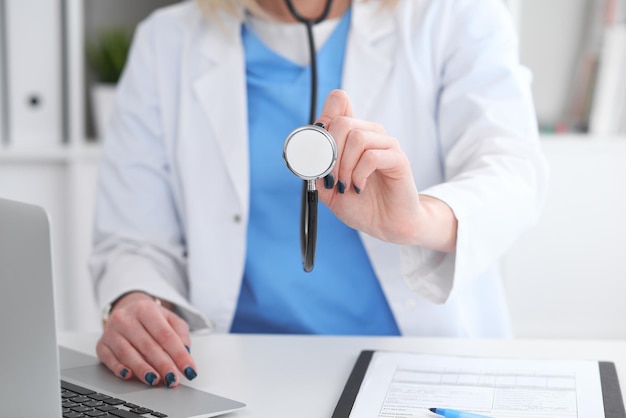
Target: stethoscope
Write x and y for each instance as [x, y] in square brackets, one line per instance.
[310, 152]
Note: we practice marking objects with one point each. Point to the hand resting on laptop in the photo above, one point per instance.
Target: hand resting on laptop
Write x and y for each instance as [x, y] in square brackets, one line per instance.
[144, 339]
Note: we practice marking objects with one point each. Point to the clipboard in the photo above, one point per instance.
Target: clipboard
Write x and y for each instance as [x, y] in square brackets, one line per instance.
[611, 392]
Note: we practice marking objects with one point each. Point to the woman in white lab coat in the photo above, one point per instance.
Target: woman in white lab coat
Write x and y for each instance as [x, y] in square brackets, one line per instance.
[439, 171]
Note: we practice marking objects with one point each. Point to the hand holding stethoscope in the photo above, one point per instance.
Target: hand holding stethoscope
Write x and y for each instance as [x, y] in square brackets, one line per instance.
[375, 192]
[372, 188]
[311, 153]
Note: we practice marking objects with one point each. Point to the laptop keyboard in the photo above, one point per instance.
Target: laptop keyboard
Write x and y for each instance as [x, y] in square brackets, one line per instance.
[80, 402]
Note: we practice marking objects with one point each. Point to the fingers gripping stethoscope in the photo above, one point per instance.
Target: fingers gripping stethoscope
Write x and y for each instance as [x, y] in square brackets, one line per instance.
[310, 152]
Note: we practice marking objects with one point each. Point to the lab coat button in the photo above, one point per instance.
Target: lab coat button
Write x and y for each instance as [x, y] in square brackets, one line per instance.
[237, 218]
[410, 304]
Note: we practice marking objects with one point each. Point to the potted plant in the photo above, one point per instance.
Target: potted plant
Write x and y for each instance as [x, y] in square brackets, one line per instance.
[106, 57]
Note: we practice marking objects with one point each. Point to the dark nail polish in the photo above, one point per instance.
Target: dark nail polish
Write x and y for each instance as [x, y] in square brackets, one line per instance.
[190, 373]
[170, 378]
[188, 349]
[150, 378]
[329, 181]
[124, 373]
[341, 187]
[356, 189]
[320, 124]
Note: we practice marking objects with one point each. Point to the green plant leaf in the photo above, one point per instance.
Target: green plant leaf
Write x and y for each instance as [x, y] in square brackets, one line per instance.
[107, 56]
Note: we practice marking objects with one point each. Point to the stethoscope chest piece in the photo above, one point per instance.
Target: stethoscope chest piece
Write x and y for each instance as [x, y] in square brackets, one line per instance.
[310, 152]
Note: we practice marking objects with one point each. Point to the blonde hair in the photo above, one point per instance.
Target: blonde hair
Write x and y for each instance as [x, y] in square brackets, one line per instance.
[212, 8]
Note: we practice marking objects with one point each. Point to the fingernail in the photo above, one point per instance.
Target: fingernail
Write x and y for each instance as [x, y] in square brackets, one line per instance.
[150, 378]
[320, 124]
[188, 349]
[329, 181]
[170, 378]
[341, 187]
[356, 189]
[124, 373]
[190, 373]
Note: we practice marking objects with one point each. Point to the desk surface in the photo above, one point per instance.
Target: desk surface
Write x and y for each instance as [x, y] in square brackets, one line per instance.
[303, 376]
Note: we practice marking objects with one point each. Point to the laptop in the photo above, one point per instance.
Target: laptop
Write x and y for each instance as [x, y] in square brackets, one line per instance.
[40, 379]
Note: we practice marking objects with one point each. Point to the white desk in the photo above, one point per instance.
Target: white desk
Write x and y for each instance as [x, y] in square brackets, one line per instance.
[303, 376]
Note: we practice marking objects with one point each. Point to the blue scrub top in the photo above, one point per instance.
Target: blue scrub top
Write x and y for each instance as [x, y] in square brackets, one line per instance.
[342, 294]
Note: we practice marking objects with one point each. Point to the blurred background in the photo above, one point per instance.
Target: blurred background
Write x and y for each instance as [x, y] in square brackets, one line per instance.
[566, 278]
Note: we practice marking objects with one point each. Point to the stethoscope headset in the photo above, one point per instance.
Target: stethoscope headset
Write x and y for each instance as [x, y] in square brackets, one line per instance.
[310, 151]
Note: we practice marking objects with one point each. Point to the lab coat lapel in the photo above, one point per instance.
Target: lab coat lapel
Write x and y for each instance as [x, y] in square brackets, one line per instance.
[368, 62]
[221, 91]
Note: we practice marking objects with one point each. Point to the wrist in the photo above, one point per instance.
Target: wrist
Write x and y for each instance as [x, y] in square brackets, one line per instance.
[130, 298]
[127, 299]
[437, 225]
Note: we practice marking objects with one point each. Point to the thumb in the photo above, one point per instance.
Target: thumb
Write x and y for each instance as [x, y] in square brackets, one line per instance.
[337, 104]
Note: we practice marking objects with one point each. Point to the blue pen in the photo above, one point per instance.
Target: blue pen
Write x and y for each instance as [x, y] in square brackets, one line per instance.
[453, 413]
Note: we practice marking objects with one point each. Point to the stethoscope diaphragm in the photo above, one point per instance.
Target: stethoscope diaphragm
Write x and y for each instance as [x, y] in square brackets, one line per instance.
[310, 152]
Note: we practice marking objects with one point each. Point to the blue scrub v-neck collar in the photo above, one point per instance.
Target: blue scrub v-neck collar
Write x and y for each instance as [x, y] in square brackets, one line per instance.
[262, 61]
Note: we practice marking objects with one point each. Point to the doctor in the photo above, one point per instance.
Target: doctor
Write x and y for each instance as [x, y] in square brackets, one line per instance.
[438, 172]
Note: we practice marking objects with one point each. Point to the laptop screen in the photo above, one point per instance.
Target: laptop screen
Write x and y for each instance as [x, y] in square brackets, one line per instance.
[29, 348]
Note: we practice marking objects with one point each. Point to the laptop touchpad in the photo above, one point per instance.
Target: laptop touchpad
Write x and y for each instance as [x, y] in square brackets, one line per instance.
[98, 376]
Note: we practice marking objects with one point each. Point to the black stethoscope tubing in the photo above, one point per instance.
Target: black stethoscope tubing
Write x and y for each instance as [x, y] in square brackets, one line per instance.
[308, 214]
[309, 30]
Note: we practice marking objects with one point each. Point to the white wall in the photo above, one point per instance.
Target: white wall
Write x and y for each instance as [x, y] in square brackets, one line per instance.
[567, 277]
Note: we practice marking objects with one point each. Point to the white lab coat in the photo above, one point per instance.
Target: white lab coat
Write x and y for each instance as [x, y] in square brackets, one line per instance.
[442, 76]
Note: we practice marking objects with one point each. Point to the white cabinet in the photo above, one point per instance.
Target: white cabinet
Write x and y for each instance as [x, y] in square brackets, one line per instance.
[61, 177]
[564, 43]
[550, 41]
[62, 182]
